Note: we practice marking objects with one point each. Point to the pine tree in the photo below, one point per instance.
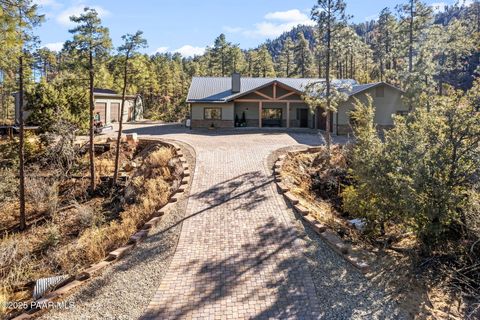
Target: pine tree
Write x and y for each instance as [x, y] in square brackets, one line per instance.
[330, 16]
[263, 66]
[286, 59]
[221, 57]
[237, 59]
[21, 17]
[384, 42]
[303, 57]
[46, 62]
[415, 18]
[128, 51]
[91, 40]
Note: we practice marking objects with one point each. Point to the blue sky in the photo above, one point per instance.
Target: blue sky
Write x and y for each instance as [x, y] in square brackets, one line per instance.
[188, 26]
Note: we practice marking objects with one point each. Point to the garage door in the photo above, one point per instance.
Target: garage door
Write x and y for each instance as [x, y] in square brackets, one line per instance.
[101, 108]
[114, 112]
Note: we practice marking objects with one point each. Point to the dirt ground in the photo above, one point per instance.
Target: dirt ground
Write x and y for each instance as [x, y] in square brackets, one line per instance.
[399, 270]
[68, 228]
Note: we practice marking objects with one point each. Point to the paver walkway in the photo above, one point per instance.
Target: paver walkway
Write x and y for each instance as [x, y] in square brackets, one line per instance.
[237, 256]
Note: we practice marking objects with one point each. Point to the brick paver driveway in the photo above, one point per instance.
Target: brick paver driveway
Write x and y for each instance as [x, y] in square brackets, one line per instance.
[237, 256]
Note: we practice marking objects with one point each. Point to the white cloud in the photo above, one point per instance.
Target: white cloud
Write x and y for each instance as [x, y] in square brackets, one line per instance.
[275, 24]
[64, 17]
[161, 50]
[467, 2]
[54, 46]
[438, 6]
[190, 51]
[288, 16]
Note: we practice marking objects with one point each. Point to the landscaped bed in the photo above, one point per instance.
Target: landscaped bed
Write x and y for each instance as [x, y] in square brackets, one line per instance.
[69, 229]
[423, 286]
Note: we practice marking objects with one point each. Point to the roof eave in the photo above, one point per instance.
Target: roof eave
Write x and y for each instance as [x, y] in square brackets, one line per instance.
[239, 95]
[205, 101]
[376, 85]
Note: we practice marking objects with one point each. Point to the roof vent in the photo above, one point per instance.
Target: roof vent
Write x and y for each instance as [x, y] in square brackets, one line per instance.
[236, 82]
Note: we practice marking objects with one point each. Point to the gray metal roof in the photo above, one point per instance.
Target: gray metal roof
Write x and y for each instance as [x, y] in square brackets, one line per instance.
[218, 89]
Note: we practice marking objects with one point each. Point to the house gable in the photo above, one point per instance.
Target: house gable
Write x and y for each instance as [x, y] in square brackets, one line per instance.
[275, 91]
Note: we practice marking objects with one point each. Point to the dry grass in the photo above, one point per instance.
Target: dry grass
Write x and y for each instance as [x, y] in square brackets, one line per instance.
[104, 167]
[159, 158]
[82, 235]
[297, 174]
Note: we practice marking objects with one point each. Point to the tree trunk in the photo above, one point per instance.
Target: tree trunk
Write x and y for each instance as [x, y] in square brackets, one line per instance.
[351, 66]
[21, 147]
[381, 70]
[92, 132]
[120, 126]
[327, 78]
[410, 39]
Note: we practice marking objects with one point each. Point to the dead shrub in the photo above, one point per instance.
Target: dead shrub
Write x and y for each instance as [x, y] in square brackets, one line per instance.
[156, 192]
[49, 237]
[41, 191]
[87, 217]
[59, 145]
[8, 185]
[104, 167]
[16, 264]
[80, 236]
[159, 158]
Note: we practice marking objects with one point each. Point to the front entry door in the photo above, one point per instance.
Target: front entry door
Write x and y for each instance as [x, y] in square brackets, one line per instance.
[303, 117]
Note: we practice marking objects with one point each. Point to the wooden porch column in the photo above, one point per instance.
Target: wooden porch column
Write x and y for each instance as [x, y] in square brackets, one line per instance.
[288, 114]
[260, 108]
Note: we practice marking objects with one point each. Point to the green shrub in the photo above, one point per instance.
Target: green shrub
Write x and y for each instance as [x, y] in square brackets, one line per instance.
[423, 173]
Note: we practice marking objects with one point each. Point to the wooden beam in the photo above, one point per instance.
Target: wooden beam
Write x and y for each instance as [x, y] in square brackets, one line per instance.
[288, 114]
[286, 95]
[276, 100]
[263, 95]
[274, 90]
[260, 108]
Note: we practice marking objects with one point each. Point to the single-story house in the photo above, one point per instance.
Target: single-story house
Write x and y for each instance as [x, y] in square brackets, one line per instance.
[107, 104]
[227, 102]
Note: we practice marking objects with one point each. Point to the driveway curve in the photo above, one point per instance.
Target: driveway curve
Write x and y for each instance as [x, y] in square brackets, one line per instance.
[237, 256]
[241, 252]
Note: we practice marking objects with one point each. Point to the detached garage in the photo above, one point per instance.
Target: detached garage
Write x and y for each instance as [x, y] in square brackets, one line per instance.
[108, 104]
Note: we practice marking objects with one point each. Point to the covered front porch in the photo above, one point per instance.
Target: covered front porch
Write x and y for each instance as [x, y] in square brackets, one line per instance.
[273, 106]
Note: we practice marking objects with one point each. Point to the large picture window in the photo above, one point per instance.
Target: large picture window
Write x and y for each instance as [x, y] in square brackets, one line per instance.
[272, 113]
[212, 113]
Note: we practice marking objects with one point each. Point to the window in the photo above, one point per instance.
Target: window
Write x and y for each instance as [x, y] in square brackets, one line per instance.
[272, 113]
[212, 113]
[379, 92]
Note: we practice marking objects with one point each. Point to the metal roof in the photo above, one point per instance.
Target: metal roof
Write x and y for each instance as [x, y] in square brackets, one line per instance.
[218, 89]
[100, 90]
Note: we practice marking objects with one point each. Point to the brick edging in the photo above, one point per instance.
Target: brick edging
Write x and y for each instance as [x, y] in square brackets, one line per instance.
[328, 235]
[143, 232]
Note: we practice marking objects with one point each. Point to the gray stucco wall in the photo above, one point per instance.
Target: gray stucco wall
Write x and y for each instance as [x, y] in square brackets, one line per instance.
[198, 110]
[385, 108]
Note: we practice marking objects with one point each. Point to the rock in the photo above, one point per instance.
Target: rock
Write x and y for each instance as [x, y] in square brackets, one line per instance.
[358, 224]
[132, 138]
[130, 166]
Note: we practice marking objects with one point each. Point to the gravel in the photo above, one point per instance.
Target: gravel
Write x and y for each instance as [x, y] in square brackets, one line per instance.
[124, 290]
[343, 291]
